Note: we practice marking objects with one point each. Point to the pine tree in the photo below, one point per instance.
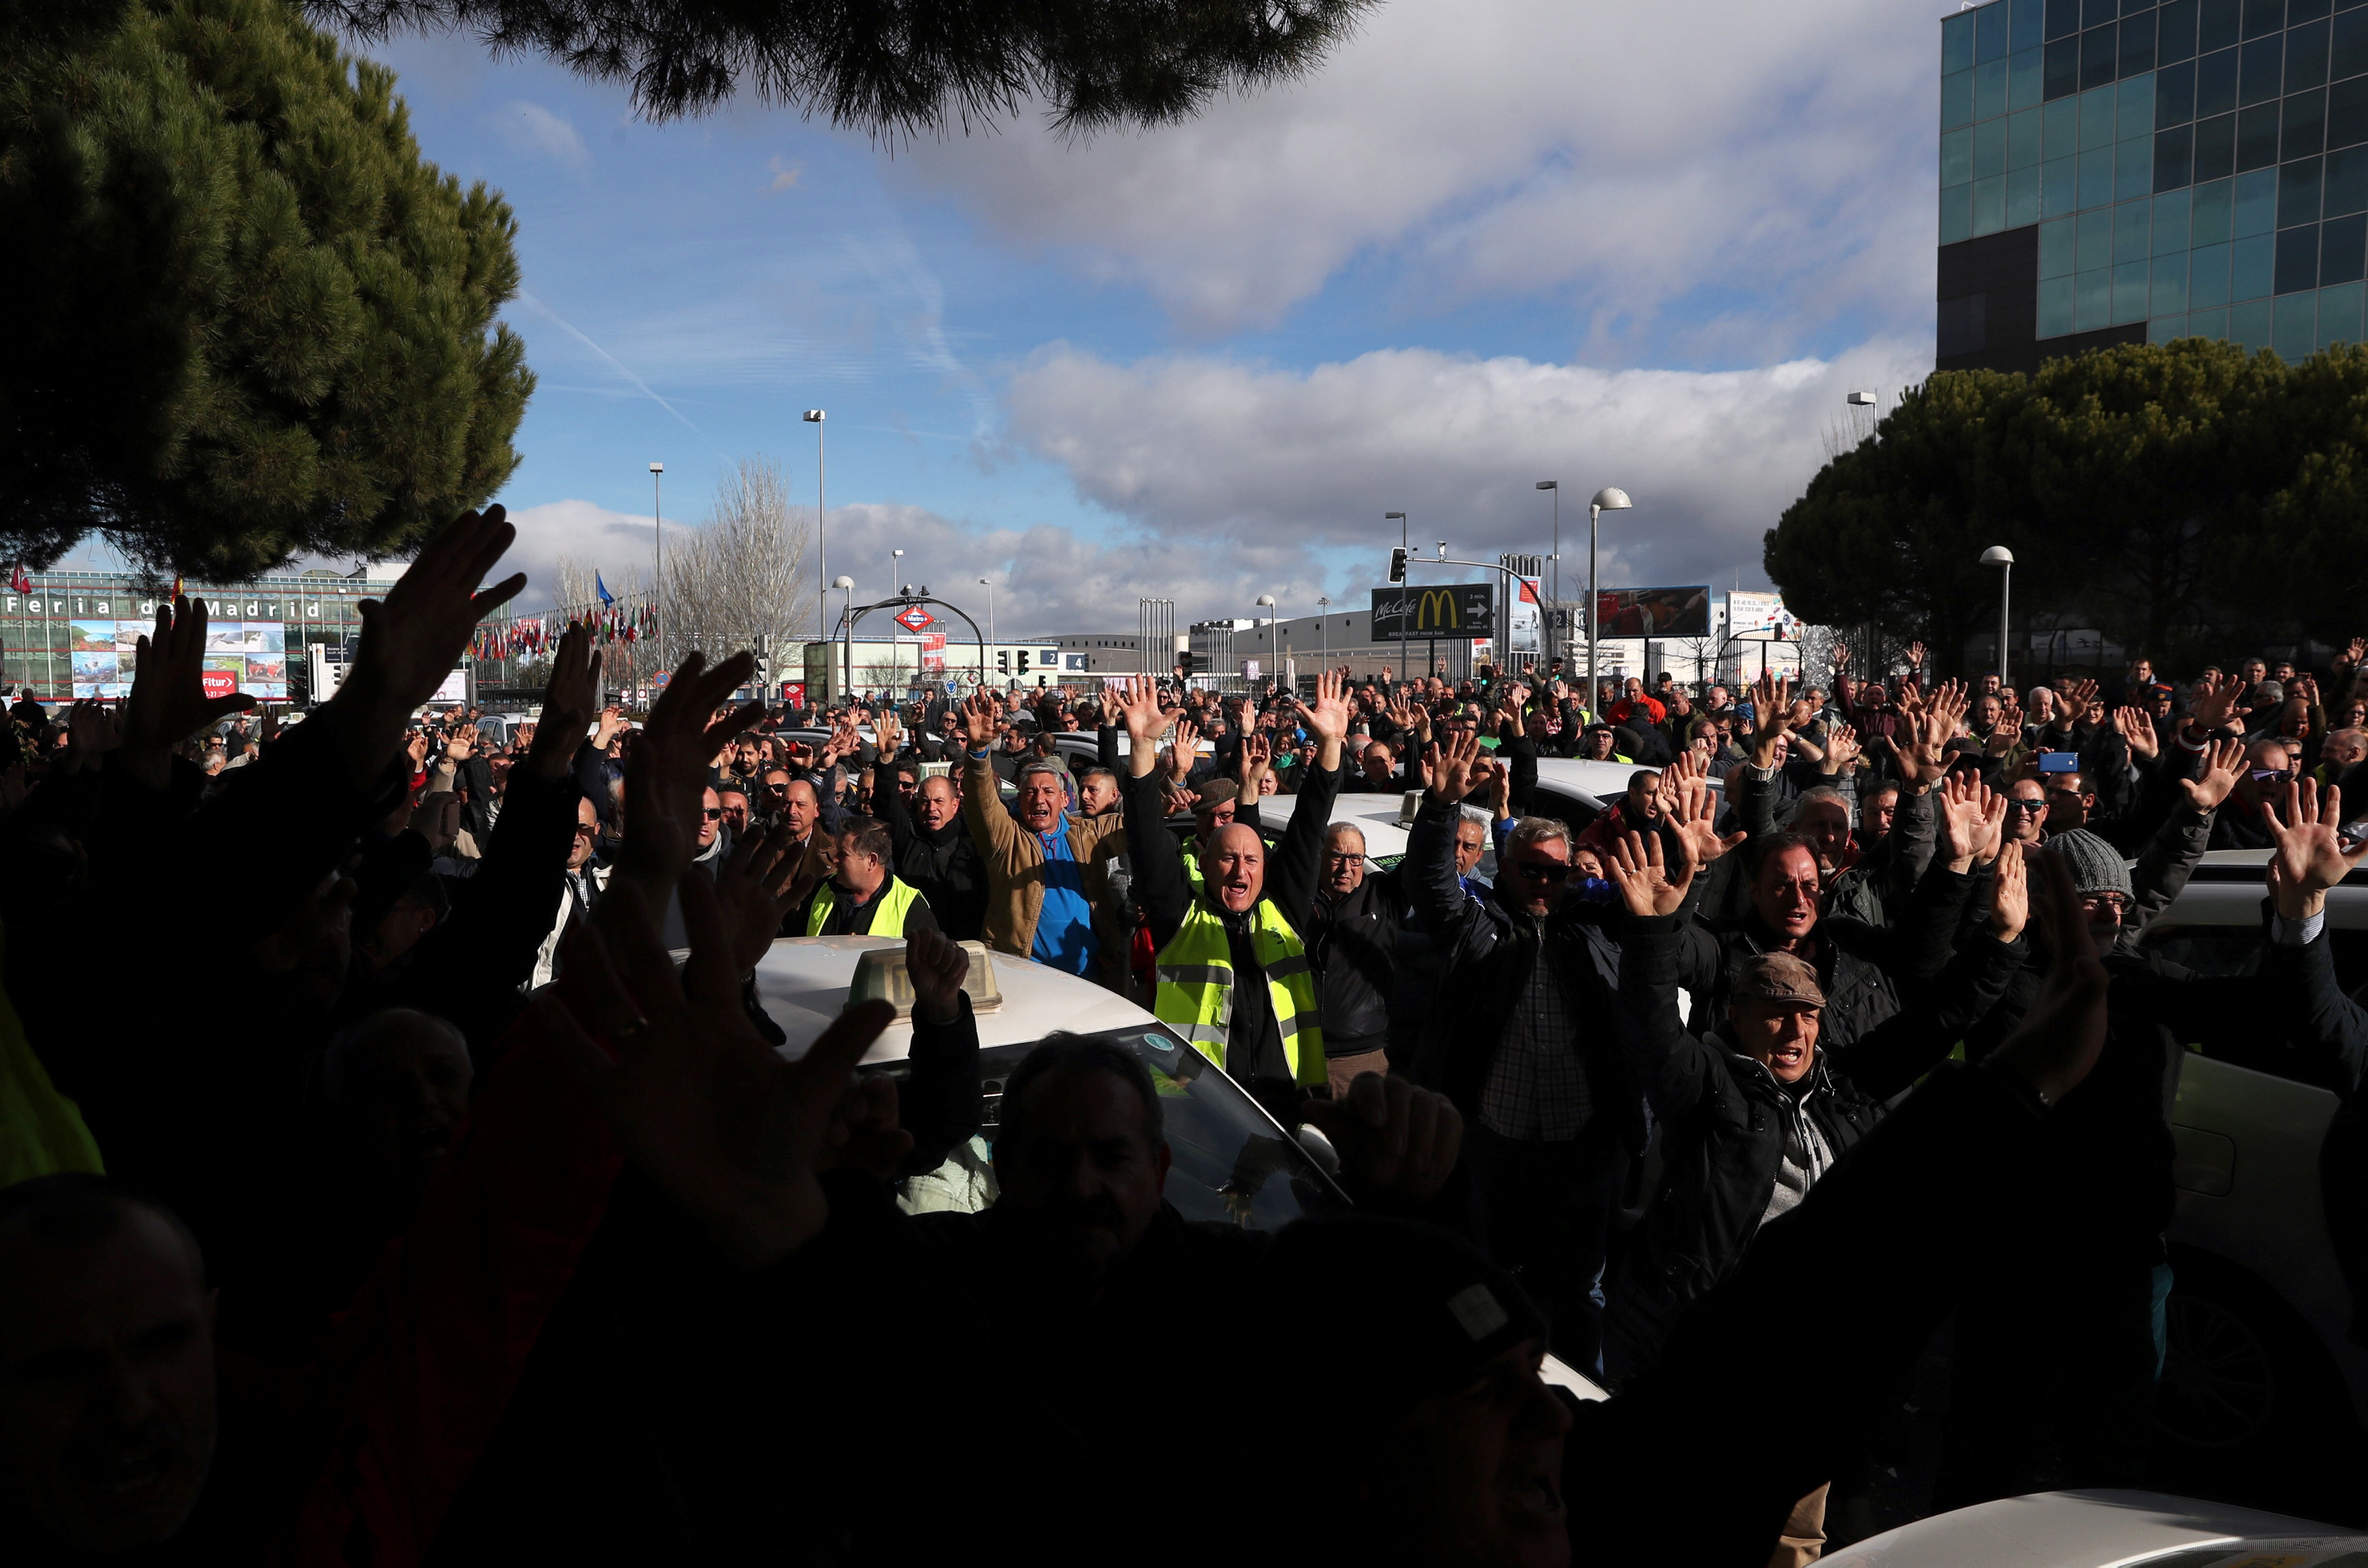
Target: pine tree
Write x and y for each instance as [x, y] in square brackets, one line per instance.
[244, 318]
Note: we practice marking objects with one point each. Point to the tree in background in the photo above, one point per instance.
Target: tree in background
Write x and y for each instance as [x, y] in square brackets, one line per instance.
[902, 67]
[246, 319]
[1890, 534]
[2186, 498]
[747, 572]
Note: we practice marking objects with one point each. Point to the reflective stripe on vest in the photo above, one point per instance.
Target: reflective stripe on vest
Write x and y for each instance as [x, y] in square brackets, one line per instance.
[887, 920]
[1195, 992]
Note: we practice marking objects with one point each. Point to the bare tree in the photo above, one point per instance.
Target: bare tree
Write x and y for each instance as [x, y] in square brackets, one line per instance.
[747, 572]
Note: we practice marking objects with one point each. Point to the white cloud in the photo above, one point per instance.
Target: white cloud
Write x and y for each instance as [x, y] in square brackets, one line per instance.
[1635, 153]
[1046, 578]
[531, 128]
[620, 545]
[1273, 465]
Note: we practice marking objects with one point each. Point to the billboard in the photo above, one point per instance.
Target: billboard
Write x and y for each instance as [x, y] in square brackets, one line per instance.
[248, 656]
[1653, 612]
[1451, 609]
[1749, 612]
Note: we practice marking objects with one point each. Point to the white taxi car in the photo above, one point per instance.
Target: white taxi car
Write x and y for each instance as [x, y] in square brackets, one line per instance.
[2259, 1358]
[1232, 1162]
[2106, 1530]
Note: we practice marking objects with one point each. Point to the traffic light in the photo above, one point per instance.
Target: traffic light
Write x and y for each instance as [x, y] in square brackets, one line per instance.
[1023, 661]
[764, 653]
[1397, 565]
[1003, 660]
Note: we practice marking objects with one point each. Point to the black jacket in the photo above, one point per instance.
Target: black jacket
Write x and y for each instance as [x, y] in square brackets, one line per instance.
[945, 866]
[1353, 946]
[1486, 951]
[1724, 1120]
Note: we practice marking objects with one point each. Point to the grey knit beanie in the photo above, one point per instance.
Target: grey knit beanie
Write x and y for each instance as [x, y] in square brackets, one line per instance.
[2096, 866]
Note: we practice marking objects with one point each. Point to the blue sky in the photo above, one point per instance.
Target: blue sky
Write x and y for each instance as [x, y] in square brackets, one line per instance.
[1487, 243]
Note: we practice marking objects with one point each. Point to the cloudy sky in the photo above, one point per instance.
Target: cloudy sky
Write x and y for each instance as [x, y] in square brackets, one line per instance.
[1490, 243]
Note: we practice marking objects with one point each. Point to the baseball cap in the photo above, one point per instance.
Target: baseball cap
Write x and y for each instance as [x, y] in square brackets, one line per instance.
[1777, 977]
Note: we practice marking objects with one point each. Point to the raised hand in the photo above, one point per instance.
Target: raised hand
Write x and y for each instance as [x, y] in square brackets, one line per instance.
[168, 702]
[1646, 884]
[1326, 719]
[981, 715]
[456, 749]
[2064, 1033]
[2212, 706]
[1842, 749]
[666, 775]
[707, 1109]
[1184, 750]
[937, 966]
[1257, 758]
[1971, 819]
[569, 699]
[2224, 764]
[1694, 817]
[2311, 856]
[1391, 1134]
[2136, 730]
[1451, 766]
[411, 639]
[754, 893]
[1145, 721]
[2010, 896]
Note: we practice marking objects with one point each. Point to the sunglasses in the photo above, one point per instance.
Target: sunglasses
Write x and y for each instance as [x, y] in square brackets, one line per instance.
[1544, 871]
[2271, 775]
[712, 813]
[2029, 807]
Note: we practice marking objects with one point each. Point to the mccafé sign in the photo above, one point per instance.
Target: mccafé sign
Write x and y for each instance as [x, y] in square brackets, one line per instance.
[1413, 614]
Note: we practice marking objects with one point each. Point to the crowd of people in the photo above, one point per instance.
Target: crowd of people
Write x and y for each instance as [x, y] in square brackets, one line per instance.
[387, 1186]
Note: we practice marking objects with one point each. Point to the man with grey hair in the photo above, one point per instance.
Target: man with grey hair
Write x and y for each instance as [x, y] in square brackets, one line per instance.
[1036, 853]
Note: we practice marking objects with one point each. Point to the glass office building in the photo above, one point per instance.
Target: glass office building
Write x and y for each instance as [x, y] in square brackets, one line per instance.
[2120, 171]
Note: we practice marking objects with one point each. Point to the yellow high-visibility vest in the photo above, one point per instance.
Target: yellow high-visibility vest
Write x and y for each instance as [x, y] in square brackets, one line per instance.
[1195, 992]
[888, 920]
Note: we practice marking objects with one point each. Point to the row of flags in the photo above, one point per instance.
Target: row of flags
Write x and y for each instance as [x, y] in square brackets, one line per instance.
[526, 638]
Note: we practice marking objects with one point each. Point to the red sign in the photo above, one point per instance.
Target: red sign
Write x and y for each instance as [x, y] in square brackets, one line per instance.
[793, 693]
[218, 683]
[916, 618]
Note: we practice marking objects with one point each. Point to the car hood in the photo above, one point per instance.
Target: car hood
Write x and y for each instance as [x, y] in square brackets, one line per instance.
[2100, 1529]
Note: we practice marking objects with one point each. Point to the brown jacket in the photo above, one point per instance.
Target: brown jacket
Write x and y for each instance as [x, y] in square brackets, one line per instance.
[1014, 857]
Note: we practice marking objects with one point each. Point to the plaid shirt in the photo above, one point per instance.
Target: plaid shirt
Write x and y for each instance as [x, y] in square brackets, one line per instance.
[1537, 1087]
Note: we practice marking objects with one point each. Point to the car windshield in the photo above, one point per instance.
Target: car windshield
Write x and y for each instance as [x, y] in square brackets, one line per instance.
[1230, 1161]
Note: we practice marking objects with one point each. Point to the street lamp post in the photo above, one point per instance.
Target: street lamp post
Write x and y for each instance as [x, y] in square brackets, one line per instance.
[904, 589]
[847, 638]
[1607, 499]
[988, 584]
[1273, 651]
[657, 582]
[1405, 544]
[2002, 558]
[1554, 594]
[1324, 629]
[822, 552]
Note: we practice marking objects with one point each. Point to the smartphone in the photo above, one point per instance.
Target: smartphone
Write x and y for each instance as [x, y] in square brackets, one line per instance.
[2059, 762]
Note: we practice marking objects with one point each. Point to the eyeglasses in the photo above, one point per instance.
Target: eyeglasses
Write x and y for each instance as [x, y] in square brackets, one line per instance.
[712, 813]
[1334, 859]
[2111, 901]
